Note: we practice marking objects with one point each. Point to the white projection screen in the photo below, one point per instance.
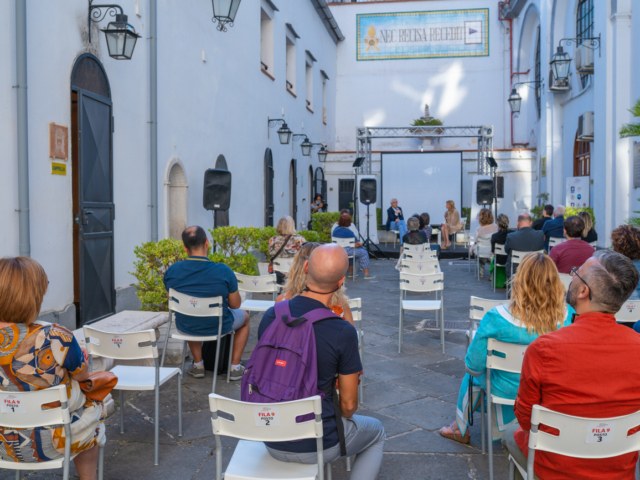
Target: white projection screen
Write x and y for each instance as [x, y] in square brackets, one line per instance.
[422, 182]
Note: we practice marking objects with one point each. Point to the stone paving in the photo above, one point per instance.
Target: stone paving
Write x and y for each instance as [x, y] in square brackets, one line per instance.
[413, 394]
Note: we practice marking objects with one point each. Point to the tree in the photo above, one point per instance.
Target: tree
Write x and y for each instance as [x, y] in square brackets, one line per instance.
[632, 129]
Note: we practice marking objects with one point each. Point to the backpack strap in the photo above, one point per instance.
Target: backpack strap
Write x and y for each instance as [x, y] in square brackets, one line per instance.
[338, 414]
[318, 314]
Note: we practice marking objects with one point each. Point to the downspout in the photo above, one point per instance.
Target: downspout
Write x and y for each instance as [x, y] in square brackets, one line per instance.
[153, 107]
[23, 134]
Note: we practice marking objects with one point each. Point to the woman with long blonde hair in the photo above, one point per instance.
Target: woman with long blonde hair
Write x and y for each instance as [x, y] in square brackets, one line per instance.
[537, 307]
[297, 281]
[452, 223]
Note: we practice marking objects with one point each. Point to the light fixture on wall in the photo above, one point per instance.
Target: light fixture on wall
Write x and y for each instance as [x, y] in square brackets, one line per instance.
[306, 147]
[224, 12]
[121, 36]
[560, 65]
[322, 154]
[515, 100]
[284, 134]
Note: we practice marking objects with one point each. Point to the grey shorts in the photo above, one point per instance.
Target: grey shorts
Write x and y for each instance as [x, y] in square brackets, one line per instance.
[238, 318]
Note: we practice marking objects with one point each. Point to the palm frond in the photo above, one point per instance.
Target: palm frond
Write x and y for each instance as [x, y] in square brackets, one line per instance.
[635, 110]
[630, 130]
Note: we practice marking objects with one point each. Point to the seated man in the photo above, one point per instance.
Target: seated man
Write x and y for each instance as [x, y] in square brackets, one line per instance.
[415, 235]
[395, 219]
[584, 370]
[554, 228]
[200, 277]
[547, 214]
[525, 239]
[575, 251]
[337, 350]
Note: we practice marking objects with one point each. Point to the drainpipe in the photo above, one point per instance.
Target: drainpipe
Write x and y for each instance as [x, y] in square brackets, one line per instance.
[23, 134]
[153, 134]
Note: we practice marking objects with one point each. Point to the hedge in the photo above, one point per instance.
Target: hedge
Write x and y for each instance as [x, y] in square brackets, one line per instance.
[322, 222]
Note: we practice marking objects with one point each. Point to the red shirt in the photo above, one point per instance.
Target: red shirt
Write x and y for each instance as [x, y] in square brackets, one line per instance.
[588, 369]
[569, 254]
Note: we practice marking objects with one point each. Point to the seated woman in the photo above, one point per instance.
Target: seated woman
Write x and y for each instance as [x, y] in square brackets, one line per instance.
[359, 253]
[626, 240]
[589, 234]
[35, 357]
[484, 232]
[537, 307]
[452, 223]
[499, 238]
[297, 281]
[428, 230]
[415, 236]
[285, 244]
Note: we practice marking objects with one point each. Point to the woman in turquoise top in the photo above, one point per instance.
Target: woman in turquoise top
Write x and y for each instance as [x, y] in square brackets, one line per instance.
[537, 307]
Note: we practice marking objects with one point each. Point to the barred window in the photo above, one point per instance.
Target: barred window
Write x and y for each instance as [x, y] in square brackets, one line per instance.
[584, 27]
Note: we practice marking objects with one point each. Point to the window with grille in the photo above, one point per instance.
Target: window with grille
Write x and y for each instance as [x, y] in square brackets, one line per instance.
[345, 194]
[584, 28]
[538, 77]
[581, 159]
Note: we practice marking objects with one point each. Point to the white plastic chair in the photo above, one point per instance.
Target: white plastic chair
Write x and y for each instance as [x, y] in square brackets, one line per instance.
[197, 307]
[630, 312]
[29, 413]
[134, 346]
[512, 362]
[499, 250]
[482, 250]
[478, 308]
[553, 241]
[416, 248]
[594, 244]
[471, 242]
[348, 242]
[565, 278]
[254, 423]
[516, 258]
[421, 283]
[420, 256]
[258, 284]
[578, 437]
[355, 304]
[282, 265]
[420, 268]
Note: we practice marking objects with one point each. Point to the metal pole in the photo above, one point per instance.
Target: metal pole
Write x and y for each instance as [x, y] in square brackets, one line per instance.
[23, 133]
[153, 134]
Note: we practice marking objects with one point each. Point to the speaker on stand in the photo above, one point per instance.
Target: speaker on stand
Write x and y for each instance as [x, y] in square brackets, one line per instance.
[216, 192]
[368, 195]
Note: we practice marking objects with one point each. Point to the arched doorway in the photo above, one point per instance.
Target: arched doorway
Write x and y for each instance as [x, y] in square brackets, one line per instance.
[92, 183]
[268, 188]
[320, 186]
[293, 191]
[176, 199]
[311, 199]
[222, 217]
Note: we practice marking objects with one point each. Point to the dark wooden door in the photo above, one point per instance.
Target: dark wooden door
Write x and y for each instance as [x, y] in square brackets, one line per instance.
[293, 185]
[268, 188]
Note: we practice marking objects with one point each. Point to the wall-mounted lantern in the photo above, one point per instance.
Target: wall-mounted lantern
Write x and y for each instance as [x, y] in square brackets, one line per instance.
[121, 36]
[224, 13]
[515, 100]
[284, 134]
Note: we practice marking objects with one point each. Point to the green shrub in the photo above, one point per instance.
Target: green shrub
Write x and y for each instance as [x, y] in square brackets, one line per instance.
[264, 234]
[536, 212]
[419, 122]
[569, 211]
[153, 260]
[322, 223]
[466, 213]
[235, 246]
[310, 235]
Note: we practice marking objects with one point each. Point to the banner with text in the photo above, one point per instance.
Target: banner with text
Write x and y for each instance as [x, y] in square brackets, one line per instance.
[410, 35]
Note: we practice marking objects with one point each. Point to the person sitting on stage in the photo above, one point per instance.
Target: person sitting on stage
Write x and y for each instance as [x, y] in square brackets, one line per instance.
[395, 219]
[359, 253]
[352, 227]
[452, 223]
[415, 235]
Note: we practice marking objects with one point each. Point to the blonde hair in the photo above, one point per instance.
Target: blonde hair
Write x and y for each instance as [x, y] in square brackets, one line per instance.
[588, 223]
[286, 226]
[537, 300]
[297, 279]
[23, 283]
[485, 216]
[451, 203]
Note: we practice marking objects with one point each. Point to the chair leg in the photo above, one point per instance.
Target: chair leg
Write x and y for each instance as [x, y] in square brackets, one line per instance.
[328, 476]
[482, 418]
[215, 368]
[121, 411]
[348, 464]
[442, 325]
[184, 348]
[401, 327]
[166, 340]
[156, 426]
[489, 433]
[512, 470]
[100, 462]
[18, 474]
[180, 405]
[230, 355]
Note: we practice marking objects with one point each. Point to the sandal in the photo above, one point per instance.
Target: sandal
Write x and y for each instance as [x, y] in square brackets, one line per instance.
[452, 433]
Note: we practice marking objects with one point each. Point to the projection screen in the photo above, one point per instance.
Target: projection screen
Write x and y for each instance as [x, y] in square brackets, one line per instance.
[422, 182]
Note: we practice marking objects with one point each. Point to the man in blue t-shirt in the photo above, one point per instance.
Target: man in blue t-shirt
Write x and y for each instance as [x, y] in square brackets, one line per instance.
[554, 228]
[337, 351]
[201, 278]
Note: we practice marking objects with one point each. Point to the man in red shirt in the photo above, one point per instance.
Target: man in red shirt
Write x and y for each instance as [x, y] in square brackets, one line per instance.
[587, 369]
[575, 251]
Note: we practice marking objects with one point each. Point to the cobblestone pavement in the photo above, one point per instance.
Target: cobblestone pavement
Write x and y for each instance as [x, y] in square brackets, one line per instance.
[413, 394]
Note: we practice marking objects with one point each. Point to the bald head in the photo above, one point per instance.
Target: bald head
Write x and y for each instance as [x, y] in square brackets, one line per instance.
[327, 266]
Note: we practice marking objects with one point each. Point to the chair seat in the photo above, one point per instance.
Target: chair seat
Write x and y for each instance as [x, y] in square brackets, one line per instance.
[251, 461]
[502, 401]
[34, 465]
[421, 304]
[257, 305]
[141, 378]
[195, 338]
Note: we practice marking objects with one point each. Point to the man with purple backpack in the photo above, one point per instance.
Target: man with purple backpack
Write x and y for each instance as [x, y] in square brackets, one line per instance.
[336, 356]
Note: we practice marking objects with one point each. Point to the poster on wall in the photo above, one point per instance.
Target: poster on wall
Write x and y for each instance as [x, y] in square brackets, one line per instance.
[578, 192]
[412, 35]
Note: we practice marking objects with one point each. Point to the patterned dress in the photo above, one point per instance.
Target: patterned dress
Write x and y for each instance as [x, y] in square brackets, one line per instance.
[36, 357]
[289, 251]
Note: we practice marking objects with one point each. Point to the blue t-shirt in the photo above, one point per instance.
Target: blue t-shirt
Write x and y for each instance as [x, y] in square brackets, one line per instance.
[202, 278]
[337, 349]
[553, 228]
[343, 232]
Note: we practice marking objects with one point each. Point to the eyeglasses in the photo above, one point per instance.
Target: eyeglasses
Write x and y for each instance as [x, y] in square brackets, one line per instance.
[574, 273]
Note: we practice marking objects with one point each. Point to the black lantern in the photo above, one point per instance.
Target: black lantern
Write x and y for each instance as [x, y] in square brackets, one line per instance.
[284, 134]
[322, 154]
[560, 64]
[224, 12]
[121, 38]
[306, 146]
[514, 101]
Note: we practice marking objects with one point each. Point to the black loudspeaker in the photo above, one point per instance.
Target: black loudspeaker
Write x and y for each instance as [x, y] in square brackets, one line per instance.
[217, 189]
[500, 187]
[484, 192]
[368, 191]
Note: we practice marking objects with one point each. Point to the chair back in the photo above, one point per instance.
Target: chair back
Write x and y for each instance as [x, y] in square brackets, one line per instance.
[630, 311]
[121, 346]
[344, 242]
[421, 283]
[195, 306]
[484, 247]
[605, 437]
[419, 268]
[25, 409]
[427, 254]
[282, 265]
[513, 356]
[516, 256]
[416, 248]
[594, 244]
[565, 278]
[480, 306]
[499, 249]
[553, 241]
[355, 304]
[257, 284]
